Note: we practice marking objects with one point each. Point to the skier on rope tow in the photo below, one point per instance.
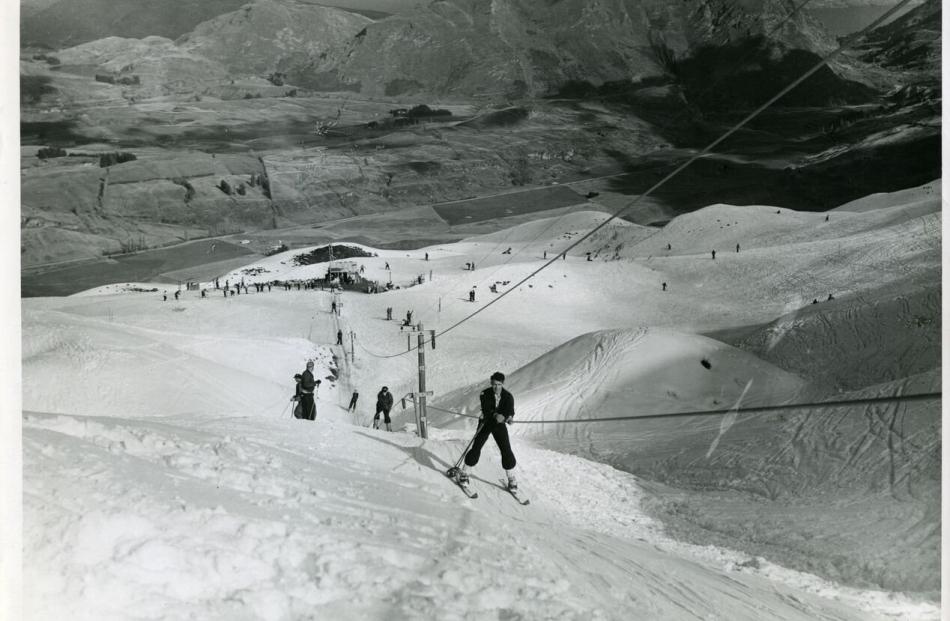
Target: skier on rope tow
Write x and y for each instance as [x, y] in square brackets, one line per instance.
[498, 409]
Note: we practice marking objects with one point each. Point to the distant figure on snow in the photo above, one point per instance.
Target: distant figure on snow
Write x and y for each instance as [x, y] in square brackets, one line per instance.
[498, 409]
[826, 217]
[830, 297]
[669, 246]
[339, 337]
[664, 286]
[384, 403]
[177, 294]
[353, 400]
[714, 255]
[471, 295]
[815, 301]
[427, 256]
[164, 296]
[737, 248]
[333, 307]
[387, 265]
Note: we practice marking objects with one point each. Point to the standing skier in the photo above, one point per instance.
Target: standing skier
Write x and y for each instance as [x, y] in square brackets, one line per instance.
[353, 399]
[384, 403]
[498, 409]
[307, 387]
[298, 407]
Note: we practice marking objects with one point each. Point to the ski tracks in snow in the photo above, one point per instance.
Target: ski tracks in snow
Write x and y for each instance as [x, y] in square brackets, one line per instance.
[183, 522]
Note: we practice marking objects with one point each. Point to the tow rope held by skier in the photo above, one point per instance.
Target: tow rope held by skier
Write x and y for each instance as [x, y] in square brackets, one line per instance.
[498, 410]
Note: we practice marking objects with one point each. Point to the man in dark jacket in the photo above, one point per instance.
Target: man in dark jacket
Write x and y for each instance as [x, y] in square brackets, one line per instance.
[384, 403]
[298, 407]
[498, 409]
[307, 386]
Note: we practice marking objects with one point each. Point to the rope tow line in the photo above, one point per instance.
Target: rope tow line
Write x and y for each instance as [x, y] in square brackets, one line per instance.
[925, 396]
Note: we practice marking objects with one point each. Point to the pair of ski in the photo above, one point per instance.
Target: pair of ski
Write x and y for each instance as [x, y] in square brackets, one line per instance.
[466, 487]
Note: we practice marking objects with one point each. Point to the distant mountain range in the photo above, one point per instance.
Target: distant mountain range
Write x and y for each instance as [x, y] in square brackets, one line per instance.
[69, 22]
[501, 48]
[911, 42]
[532, 46]
[60, 23]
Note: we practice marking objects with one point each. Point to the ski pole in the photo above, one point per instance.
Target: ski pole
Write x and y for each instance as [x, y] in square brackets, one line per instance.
[462, 456]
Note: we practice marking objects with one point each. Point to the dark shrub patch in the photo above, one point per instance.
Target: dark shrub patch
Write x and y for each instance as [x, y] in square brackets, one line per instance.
[33, 87]
[48, 152]
[324, 254]
[109, 159]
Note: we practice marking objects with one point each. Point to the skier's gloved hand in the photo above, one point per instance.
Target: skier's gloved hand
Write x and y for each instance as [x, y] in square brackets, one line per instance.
[508, 420]
[499, 418]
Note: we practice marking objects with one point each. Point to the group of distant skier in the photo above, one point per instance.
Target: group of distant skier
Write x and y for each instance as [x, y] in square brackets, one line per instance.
[497, 412]
[306, 408]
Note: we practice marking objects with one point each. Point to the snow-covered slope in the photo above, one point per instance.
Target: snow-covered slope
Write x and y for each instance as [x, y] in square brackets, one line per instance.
[279, 519]
[622, 373]
[164, 476]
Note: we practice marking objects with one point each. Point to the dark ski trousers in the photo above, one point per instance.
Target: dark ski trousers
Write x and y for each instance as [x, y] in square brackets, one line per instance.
[499, 431]
[307, 406]
[385, 413]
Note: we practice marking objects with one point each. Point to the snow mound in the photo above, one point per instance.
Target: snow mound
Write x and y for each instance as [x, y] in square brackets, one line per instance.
[720, 227]
[634, 372]
[883, 200]
[545, 229]
[62, 352]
